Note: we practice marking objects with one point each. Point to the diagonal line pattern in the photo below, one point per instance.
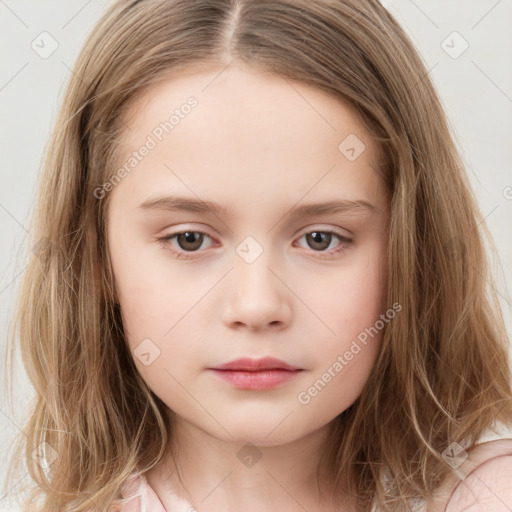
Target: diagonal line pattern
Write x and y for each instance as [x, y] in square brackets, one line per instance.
[289, 83]
[12, 280]
[13, 217]
[486, 14]
[284, 489]
[424, 14]
[217, 486]
[76, 14]
[485, 485]
[11, 489]
[216, 76]
[19, 19]
[14, 76]
[492, 81]
[291, 412]
[494, 287]
[14, 423]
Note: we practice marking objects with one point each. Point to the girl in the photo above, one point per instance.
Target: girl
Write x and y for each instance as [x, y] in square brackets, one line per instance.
[258, 279]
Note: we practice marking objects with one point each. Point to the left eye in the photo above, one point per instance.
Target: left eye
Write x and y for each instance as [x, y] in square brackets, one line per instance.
[191, 241]
[321, 240]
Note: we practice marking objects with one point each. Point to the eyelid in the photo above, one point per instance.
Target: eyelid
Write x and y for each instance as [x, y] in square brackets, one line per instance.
[303, 231]
[325, 229]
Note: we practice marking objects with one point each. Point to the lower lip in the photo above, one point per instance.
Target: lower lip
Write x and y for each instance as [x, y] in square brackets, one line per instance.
[263, 379]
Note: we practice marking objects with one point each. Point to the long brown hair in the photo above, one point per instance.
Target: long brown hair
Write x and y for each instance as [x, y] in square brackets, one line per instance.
[441, 375]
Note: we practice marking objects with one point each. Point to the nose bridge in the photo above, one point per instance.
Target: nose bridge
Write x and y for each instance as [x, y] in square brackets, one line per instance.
[252, 266]
[251, 250]
[256, 295]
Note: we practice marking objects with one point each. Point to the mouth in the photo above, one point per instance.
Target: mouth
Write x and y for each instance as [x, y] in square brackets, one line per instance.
[250, 374]
[247, 364]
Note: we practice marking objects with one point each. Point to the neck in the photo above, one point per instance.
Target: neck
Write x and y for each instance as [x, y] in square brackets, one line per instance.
[220, 475]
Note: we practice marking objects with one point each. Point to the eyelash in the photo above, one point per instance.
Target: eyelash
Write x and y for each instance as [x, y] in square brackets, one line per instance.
[166, 243]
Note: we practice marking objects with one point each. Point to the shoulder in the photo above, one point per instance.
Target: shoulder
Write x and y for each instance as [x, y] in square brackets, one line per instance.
[488, 487]
[484, 479]
[481, 483]
[488, 484]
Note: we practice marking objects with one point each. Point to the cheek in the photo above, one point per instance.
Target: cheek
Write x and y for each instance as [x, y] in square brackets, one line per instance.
[350, 299]
[344, 360]
[163, 317]
[338, 384]
[154, 295]
[351, 303]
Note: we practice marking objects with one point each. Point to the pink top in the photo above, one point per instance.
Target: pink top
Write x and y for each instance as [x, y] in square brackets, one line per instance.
[497, 472]
[145, 499]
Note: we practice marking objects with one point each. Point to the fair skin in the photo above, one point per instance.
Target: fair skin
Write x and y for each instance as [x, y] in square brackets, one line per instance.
[481, 483]
[259, 146]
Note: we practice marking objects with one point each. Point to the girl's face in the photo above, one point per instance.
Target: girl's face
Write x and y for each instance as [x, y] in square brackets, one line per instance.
[261, 272]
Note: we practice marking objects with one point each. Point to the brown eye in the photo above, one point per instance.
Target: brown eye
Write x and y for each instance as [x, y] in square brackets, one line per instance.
[319, 240]
[189, 240]
[184, 243]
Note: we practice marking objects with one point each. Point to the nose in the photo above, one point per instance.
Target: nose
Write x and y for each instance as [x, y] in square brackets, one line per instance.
[256, 297]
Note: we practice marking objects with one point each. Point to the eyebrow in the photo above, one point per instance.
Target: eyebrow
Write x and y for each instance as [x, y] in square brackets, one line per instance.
[179, 203]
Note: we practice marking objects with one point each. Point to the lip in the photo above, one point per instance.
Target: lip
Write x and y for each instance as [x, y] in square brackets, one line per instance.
[260, 374]
[247, 364]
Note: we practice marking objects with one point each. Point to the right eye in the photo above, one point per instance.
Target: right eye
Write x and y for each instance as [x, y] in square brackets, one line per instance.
[188, 241]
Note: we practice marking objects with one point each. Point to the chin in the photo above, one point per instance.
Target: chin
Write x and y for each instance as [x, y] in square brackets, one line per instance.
[262, 434]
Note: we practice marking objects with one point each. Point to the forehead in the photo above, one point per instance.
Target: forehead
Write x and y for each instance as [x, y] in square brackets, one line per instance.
[248, 130]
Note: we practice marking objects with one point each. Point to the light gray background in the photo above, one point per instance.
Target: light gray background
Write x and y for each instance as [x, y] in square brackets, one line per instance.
[475, 88]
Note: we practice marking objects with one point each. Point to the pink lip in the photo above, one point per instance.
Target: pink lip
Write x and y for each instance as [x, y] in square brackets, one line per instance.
[247, 364]
[258, 374]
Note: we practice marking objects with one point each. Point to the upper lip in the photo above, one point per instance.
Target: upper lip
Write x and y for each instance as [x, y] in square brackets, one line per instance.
[248, 364]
